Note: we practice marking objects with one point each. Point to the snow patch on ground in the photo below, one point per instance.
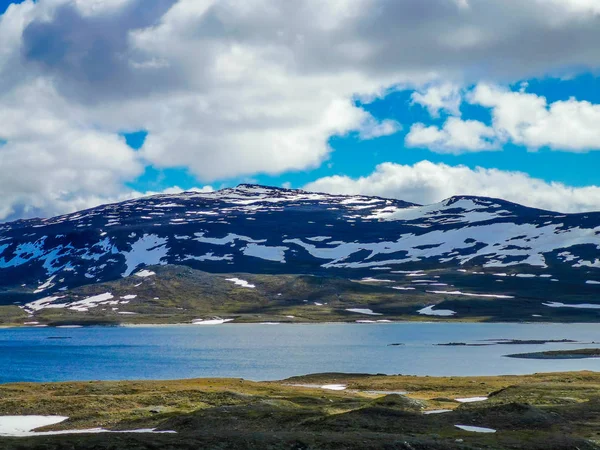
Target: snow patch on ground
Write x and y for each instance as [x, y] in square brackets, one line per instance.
[334, 387]
[46, 302]
[577, 306]
[93, 302]
[241, 283]
[471, 399]
[24, 426]
[215, 321]
[365, 311]
[429, 311]
[475, 429]
[373, 321]
[106, 299]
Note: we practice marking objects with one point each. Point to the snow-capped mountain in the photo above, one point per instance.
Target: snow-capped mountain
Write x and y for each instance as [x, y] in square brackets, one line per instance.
[258, 229]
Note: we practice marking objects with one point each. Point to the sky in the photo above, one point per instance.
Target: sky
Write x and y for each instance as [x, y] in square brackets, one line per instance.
[105, 100]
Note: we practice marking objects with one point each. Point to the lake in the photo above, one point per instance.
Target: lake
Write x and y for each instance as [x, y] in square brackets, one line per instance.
[269, 352]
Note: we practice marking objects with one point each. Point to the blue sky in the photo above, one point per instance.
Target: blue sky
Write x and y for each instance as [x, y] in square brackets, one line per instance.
[354, 157]
[106, 100]
[5, 4]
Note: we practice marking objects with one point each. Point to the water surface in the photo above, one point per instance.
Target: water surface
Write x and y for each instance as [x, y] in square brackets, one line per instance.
[269, 352]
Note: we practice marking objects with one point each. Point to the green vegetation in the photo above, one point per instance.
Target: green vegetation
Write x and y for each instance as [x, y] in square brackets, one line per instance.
[10, 315]
[178, 294]
[549, 411]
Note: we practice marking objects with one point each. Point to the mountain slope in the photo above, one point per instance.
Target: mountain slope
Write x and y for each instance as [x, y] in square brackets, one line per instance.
[261, 230]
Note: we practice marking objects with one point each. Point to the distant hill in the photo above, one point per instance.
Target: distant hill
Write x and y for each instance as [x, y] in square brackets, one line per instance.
[502, 250]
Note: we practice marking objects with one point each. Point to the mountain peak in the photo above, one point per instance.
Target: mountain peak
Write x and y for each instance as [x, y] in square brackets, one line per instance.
[257, 229]
[259, 188]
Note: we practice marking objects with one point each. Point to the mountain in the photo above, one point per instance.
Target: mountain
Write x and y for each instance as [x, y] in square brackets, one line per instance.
[272, 232]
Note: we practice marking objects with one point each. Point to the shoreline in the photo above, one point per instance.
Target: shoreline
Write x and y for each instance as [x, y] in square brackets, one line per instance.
[325, 377]
[506, 377]
[272, 323]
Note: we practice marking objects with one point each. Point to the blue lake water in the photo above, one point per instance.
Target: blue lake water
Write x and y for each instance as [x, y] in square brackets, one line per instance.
[269, 352]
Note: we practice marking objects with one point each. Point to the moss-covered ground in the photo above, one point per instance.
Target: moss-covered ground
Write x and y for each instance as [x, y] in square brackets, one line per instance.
[549, 411]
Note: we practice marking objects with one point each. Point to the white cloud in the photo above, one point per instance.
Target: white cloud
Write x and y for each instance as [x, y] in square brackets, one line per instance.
[574, 6]
[371, 129]
[426, 182]
[445, 97]
[529, 120]
[228, 88]
[456, 136]
[518, 117]
[50, 166]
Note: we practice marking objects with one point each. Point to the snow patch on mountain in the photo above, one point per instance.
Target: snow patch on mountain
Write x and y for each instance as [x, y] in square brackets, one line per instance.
[230, 238]
[501, 243]
[46, 285]
[148, 250]
[266, 252]
[84, 305]
[208, 257]
[318, 238]
[144, 274]
[466, 294]
[303, 231]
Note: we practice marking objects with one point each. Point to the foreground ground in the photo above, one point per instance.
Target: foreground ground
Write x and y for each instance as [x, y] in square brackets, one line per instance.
[550, 411]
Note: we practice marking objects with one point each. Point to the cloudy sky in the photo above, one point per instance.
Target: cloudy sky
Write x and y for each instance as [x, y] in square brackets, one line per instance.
[102, 100]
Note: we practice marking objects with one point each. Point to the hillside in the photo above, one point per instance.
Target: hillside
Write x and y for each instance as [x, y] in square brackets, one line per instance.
[479, 258]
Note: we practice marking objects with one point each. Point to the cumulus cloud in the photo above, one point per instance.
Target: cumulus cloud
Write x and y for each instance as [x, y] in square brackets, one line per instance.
[228, 88]
[50, 166]
[518, 117]
[439, 97]
[529, 120]
[456, 136]
[426, 182]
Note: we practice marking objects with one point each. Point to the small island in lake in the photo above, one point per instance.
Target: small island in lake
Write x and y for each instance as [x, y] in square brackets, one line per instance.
[509, 342]
[560, 354]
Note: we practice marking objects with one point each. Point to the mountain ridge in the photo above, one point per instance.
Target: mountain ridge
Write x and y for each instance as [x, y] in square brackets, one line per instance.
[252, 186]
[257, 229]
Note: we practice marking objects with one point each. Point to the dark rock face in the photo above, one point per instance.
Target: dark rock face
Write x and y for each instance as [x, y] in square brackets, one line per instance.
[259, 229]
